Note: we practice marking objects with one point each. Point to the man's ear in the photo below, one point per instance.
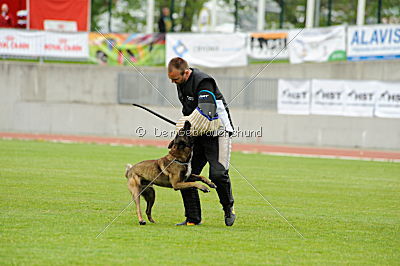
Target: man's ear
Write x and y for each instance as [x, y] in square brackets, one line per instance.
[171, 144]
[186, 72]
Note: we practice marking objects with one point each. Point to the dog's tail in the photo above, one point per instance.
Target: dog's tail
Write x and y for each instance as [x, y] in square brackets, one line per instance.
[127, 168]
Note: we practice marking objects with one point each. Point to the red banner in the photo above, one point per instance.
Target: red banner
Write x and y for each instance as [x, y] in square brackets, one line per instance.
[13, 7]
[59, 10]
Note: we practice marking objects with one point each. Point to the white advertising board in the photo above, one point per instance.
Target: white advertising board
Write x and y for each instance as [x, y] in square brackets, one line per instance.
[69, 45]
[360, 98]
[373, 42]
[21, 42]
[294, 97]
[317, 45]
[209, 50]
[327, 97]
[43, 44]
[388, 100]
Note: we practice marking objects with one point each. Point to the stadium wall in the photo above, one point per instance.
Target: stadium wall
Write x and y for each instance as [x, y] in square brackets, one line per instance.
[83, 99]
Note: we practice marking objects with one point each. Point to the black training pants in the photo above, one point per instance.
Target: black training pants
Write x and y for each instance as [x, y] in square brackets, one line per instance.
[216, 151]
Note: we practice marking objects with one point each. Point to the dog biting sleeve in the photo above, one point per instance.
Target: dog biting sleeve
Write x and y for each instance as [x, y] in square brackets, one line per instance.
[201, 124]
[204, 118]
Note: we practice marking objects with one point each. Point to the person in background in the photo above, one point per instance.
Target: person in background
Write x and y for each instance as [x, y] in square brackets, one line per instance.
[165, 22]
[6, 20]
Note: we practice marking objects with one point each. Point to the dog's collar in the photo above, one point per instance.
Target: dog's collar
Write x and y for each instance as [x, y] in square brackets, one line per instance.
[181, 163]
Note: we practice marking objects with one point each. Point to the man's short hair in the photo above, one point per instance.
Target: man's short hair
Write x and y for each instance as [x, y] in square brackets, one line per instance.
[178, 63]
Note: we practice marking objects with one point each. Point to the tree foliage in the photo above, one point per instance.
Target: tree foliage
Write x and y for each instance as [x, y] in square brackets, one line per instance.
[98, 7]
[132, 13]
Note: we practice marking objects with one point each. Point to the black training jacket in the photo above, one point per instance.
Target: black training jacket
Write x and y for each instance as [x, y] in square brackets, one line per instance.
[188, 93]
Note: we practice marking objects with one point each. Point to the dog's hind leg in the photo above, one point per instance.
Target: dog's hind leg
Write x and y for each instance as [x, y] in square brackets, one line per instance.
[134, 184]
[149, 195]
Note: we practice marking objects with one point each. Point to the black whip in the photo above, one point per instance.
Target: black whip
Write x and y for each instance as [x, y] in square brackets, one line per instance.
[154, 113]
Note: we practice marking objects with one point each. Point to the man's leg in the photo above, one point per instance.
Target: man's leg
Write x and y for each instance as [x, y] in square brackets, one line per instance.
[190, 196]
[218, 151]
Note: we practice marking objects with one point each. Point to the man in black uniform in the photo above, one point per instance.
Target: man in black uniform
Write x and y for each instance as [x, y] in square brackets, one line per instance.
[193, 84]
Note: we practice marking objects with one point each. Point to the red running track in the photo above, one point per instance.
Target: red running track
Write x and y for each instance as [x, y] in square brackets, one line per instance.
[251, 148]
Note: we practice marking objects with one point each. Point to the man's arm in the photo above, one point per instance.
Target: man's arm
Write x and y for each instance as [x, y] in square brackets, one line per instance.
[206, 85]
[206, 98]
[204, 118]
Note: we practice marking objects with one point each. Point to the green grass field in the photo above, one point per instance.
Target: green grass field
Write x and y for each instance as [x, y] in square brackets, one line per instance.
[55, 199]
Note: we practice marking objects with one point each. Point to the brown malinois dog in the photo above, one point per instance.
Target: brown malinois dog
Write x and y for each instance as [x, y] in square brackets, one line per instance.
[172, 170]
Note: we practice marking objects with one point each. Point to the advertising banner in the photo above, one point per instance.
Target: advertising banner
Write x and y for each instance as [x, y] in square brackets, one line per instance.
[373, 42]
[209, 50]
[317, 45]
[360, 97]
[388, 100]
[56, 10]
[327, 97]
[356, 98]
[294, 97]
[64, 45]
[267, 45]
[21, 42]
[127, 49]
[13, 7]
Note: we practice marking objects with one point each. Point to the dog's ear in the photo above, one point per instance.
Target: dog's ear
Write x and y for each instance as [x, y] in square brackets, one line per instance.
[187, 125]
[171, 144]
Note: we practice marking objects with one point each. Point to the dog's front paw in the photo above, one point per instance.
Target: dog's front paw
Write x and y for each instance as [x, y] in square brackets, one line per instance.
[204, 189]
[142, 222]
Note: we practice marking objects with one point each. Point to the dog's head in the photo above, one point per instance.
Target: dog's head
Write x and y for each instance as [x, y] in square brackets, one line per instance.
[183, 140]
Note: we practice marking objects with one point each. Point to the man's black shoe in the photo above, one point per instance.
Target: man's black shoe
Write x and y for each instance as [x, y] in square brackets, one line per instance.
[230, 216]
[187, 223]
